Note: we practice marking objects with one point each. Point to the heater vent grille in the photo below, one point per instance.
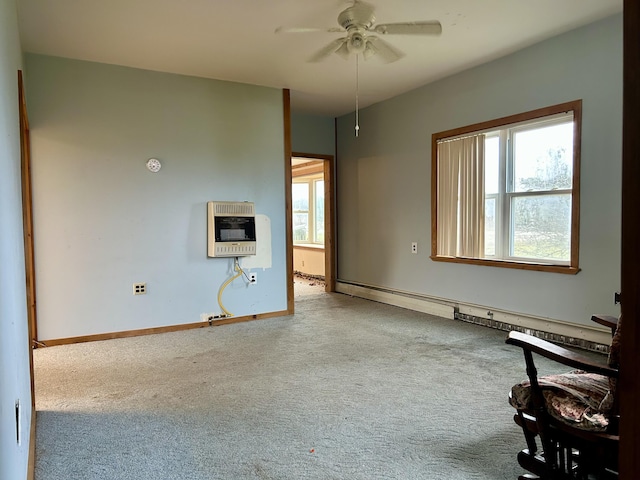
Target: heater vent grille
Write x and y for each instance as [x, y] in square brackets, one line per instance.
[234, 208]
[238, 250]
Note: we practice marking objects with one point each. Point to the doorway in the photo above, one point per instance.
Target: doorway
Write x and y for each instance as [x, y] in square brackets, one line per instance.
[312, 223]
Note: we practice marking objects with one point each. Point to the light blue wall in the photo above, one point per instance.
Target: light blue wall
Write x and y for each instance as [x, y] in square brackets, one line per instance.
[384, 177]
[313, 134]
[14, 338]
[103, 222]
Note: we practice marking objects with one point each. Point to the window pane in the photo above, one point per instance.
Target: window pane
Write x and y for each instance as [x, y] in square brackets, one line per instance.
[542, 227]
[490, 227]
[300, 227]
[543, 158]
[300, 196]
[491, 164]
[319, 211]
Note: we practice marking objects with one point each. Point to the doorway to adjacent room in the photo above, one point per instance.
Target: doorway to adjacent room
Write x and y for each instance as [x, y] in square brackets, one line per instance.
[312, 223]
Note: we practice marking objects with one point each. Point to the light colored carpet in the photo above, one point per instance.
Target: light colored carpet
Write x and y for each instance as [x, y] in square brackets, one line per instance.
[344, 389]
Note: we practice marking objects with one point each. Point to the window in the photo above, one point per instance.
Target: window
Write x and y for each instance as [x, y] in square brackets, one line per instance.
[506, 192]
[308, 210]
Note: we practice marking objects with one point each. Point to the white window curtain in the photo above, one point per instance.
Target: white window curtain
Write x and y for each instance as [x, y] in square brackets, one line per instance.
[460, 227]
[448, 182]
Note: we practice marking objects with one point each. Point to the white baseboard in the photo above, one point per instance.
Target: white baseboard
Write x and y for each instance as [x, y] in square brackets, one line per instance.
[397, 299]
[558, 330]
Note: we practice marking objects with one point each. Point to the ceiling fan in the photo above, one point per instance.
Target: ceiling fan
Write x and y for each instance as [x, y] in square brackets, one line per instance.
[358, 22]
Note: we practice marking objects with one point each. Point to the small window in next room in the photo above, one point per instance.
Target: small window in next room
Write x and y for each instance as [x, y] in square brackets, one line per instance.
[308, 210]
[506, 192]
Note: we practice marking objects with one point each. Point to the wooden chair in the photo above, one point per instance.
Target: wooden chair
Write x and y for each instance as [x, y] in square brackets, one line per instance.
[563, 441]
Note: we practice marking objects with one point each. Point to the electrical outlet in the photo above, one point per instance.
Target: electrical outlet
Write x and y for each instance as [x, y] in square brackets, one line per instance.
[139, 288]
[210, 317]
[253, 278]
[414, 247]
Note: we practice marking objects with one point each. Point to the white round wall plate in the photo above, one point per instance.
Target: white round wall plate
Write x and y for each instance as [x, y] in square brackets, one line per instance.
[154, 165]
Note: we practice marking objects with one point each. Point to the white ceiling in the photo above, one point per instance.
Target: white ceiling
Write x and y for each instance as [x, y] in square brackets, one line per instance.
[235, 40]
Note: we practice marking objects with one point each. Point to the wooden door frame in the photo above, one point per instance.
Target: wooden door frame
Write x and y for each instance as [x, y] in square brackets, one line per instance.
[629, 389]
[27, 215]
[328, 162]
[27, 225]
[286, 107]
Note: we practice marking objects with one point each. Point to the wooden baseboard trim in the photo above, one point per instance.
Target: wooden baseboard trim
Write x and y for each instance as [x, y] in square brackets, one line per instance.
[31, 465]
[153, 331]
[249, 318]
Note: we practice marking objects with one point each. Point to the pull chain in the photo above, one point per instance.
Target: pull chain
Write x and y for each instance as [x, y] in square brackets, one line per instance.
[357, 82]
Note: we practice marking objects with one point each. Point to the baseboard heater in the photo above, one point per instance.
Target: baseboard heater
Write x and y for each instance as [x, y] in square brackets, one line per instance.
[569, 334]
[570, 340]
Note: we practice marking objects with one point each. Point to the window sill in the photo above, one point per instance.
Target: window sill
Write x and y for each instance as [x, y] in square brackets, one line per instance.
[308, 246]
[540, 267]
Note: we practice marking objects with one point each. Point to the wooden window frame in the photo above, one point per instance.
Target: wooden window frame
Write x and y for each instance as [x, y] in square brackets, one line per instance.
[572, 268]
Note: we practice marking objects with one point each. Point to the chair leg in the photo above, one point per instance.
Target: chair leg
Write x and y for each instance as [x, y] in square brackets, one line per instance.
[533, 463]
[529, 429]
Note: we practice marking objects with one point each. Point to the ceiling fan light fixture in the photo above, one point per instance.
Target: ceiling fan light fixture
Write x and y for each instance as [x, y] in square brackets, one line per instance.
[357, 43]
[343, 51]
[369, 51]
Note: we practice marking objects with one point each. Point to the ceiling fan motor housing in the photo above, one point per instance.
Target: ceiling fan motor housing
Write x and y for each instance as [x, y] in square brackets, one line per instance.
[360, 15]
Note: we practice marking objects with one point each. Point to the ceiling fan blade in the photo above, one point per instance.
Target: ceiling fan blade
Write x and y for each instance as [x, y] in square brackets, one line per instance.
[429, 27]
[381, 49]
[327, 50]
[308, 30]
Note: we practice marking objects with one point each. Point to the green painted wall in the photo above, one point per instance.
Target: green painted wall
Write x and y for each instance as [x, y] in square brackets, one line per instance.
[104, 222]
[313, 134]
[384, 177]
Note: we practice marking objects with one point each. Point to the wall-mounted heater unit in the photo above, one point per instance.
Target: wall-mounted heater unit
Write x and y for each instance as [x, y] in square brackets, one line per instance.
[231, 229]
